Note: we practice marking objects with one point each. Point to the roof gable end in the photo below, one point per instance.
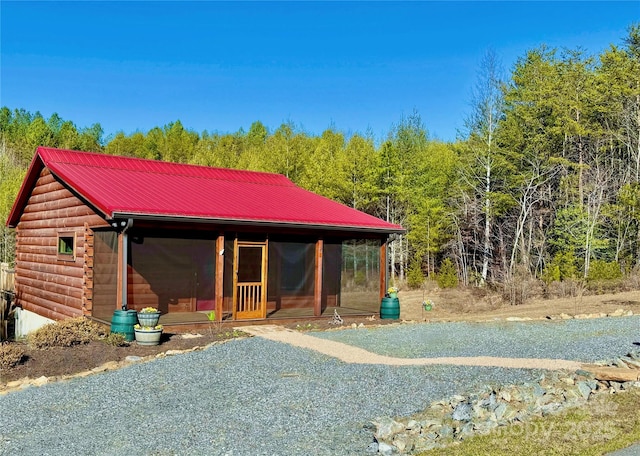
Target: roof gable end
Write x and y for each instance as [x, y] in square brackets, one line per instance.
[35, 168]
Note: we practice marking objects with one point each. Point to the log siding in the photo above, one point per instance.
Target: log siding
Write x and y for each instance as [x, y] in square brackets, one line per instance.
[87, 272]
[47, 285]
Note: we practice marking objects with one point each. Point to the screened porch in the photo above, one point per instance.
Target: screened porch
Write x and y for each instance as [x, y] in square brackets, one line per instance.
[198, 276]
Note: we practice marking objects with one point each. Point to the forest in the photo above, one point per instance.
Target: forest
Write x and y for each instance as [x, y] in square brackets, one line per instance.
[543, 183]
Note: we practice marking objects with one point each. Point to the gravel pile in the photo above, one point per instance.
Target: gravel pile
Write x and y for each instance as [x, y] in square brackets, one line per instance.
[579, 340]
[257, 397]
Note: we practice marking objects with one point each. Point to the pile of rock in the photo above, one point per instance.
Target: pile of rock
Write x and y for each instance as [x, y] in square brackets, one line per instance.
[616, 313]
[459, 417]
[631, 361]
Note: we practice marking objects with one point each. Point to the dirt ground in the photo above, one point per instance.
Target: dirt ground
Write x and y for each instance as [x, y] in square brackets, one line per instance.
[464, 305]
[448, 305]
[58, 361]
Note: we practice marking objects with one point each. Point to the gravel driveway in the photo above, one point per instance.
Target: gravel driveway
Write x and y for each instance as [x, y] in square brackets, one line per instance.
[579, 340]
[257, 397]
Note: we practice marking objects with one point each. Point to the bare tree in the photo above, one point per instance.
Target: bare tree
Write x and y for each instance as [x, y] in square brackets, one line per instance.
[487, 108]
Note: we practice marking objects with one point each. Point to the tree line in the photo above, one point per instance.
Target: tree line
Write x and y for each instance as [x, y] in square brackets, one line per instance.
[544, 180]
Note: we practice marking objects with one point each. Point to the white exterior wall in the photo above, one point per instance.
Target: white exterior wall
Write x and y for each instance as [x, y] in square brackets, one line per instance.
[27, 322]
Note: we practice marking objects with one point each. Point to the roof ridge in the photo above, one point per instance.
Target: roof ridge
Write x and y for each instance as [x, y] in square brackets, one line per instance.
[289, 183]
[275, 176]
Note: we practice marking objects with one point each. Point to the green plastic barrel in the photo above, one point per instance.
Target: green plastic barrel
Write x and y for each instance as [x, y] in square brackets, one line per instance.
[390, 308]
[123, 322]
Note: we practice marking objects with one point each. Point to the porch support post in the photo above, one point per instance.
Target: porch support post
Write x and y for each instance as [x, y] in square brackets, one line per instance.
[122, 265]
[383, 268]
[219, 284]
[123, 260]
[317, 295]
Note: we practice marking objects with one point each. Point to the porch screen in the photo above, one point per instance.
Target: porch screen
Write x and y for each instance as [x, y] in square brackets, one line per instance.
[172, 274]
[291, 279]
[360, 275]
[105, 274]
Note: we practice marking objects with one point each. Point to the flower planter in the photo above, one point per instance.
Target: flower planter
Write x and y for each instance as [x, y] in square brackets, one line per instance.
[393, 295]
[149, 319]
[148, 336]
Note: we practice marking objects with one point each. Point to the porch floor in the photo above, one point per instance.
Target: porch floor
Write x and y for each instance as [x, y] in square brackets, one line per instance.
[181, 322]
[188, 321]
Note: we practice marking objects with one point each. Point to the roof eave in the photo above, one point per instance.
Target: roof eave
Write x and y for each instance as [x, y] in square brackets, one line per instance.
[265, 223]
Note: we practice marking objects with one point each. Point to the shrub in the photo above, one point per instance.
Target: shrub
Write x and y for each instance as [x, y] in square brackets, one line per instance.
[632, 279]
[360, 279]
[116, 340]
[562, 267]
[10, 355]
[567, 264]
[447, 277]
[604, 270]
[517, 289]
[551, 274]
[66, 333]
[605, 277]
[566, 288]
[415, 277]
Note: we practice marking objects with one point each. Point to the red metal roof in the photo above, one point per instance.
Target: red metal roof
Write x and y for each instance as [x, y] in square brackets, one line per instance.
[133, 187]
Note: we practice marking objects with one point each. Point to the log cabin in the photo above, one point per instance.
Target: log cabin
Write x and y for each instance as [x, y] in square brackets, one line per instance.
[97, 233]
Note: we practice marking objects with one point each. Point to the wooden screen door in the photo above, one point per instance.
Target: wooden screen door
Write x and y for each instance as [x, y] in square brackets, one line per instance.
[249, 280]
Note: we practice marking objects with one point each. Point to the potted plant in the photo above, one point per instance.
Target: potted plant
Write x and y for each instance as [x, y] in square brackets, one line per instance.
[148, 335]
[148, 317]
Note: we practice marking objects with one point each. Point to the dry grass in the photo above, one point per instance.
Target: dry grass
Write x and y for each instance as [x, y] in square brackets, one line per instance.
[605, 424]
[474, 304]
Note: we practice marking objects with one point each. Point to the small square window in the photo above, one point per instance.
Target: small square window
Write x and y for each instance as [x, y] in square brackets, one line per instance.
[67, 246]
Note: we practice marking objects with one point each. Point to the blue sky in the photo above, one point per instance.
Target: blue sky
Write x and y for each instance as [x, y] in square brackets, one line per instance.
[219, 66]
